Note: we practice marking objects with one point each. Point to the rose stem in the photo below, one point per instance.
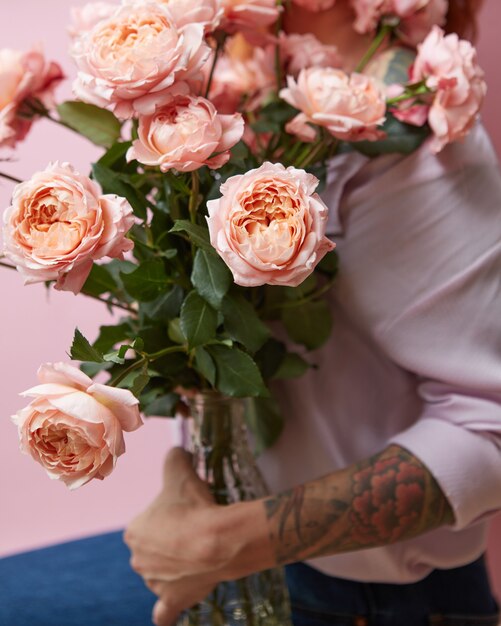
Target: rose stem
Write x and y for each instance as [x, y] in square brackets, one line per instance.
[374, 47]
[11, 178]
[219, 47]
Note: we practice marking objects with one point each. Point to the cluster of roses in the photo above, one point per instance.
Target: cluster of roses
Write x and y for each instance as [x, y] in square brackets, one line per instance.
[177, 69]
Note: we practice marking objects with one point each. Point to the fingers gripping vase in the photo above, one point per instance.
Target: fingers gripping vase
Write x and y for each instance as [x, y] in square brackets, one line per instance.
[224, 459]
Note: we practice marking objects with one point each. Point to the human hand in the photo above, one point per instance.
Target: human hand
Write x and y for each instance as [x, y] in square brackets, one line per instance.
[173, 542]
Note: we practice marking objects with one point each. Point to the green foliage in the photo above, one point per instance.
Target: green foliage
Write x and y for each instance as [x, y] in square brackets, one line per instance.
[81, 349]
[94, 123]
[198, 235]
[205, 365]
[265, 421]
[146, 282]
[166, 306]
[198, 320]
[99, 281]
[308, 324]
[292, 366]
[121, 185]
[243, 324]
[236, 372]
[401, 138]
[210, 277]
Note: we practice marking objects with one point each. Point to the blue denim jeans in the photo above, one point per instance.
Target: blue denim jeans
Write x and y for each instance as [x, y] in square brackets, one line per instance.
[455, 597]
[89, 583]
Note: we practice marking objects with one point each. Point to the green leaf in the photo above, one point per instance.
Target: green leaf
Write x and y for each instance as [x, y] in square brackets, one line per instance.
[242, 323]
[210, 277]
[236, 373]
[205, 365]
[198, 235]
[99, 281]
[120, 185]
[81, 350]
[265, 421]
[292, 366]
[117, 356]
[166, 306]
[146, 282]
[270, 357]
[198, 320]
[140, 381]
[162, 406]
[307, 286]
[175, 332]
[115, 154]
[401, 138]
[109, 336]
[309, 324]
[98, 125]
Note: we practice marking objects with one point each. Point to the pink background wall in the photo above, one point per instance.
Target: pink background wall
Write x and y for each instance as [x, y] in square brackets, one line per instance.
[37, 327]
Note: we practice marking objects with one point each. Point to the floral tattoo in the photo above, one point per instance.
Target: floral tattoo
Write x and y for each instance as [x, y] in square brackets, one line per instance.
[387, 498]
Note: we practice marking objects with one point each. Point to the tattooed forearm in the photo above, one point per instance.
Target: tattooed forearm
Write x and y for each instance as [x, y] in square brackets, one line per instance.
[384, 499]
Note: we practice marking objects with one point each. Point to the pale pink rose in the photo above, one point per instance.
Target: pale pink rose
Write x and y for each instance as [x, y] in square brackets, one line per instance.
[450, 69]
[59, 223]
[23, 75]
[350, 107]
[269, 226]
[186, 133]
[416, 17]
[315, 5]
[299, 52]
[74, 427]
[208, 13]
[243, 82]
[249, 15]
[86, 17]
[128, 60]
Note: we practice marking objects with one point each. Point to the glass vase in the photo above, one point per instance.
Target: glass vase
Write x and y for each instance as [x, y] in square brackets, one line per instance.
[223, 458]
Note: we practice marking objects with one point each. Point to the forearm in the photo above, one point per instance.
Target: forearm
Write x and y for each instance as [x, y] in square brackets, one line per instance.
[381, 500]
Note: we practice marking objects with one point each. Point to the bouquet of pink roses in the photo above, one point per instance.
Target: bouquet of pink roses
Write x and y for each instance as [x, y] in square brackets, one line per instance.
[202, 225]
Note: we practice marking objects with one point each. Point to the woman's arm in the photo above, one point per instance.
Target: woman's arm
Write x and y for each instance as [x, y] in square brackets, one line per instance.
[184, 544]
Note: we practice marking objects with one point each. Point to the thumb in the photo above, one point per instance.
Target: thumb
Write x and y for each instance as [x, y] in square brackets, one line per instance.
[180, 476]
[162, 615]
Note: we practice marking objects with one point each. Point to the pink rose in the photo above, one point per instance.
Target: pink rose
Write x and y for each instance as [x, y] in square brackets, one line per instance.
[269, 226]
[74, 427]
[416, 16]
[86, 17]
[249, 15]
[350, 107]
[130, 59]
[208, 13]
[315, 5]
[450, 69]
[243, 80]
[186, 133]
[23, 75]
[59, 223]
[299, 52]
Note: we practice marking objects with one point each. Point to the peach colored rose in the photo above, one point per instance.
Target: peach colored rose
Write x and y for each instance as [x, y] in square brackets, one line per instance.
[450, 69]
[23, 75]
[242, 81]
[86, 17]
[249, 15]
[269, 226]
[416, 17]
[208, 13]
[299, 52]
[129, 59]
[186, 133]
[350, 107]
[59, 223]
[74, 427]
[315, 5]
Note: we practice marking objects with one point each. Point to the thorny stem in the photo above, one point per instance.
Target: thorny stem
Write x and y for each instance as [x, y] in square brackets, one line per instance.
[146, 358]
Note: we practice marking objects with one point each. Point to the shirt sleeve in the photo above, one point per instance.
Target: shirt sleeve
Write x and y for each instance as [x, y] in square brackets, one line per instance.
[422, 270]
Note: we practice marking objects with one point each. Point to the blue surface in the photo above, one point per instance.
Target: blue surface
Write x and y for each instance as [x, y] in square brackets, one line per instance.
[82, 583]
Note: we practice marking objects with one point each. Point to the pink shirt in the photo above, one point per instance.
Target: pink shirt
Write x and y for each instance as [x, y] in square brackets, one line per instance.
[415, 354]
